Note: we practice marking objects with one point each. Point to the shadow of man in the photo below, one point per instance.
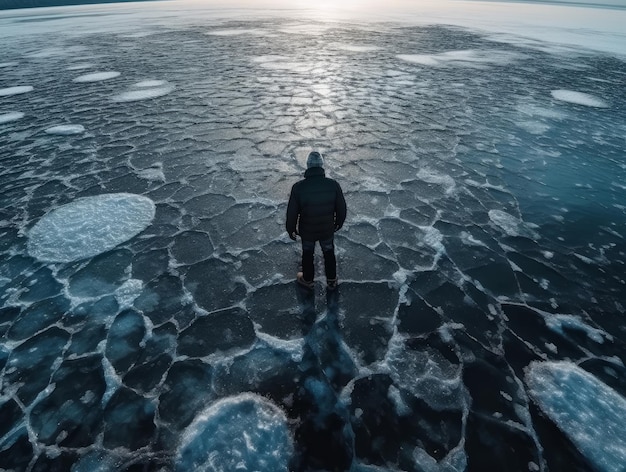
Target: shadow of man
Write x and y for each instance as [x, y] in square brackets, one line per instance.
[324, 436]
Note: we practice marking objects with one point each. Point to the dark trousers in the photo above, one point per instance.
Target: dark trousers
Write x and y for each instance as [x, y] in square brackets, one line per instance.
[308, 253]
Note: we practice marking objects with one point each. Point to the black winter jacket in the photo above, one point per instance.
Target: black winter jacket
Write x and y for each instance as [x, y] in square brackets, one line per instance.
[317, 207]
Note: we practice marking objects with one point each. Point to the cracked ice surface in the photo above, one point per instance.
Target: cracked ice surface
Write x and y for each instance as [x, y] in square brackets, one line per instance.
[146, 281]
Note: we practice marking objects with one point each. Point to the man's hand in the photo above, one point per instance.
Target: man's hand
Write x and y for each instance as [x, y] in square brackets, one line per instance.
[293, 235]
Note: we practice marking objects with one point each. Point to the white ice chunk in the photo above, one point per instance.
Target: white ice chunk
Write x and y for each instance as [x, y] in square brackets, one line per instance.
[236, 31]
[243, 432]
[144, 93]
[80, 66]
[6, 92]
[579, 98]
[588, 411]
[89, 226]
[358, 48]
[506, 222]
[10, 116]
[96, 76]
[66, 130]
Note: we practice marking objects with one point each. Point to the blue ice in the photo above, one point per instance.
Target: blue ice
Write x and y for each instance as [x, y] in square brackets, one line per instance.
[589, 412]
[243, 432]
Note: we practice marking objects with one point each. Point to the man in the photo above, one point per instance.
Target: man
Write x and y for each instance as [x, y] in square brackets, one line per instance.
[316, 210]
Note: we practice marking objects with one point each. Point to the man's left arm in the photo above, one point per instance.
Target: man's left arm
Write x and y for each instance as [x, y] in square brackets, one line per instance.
[340, 208]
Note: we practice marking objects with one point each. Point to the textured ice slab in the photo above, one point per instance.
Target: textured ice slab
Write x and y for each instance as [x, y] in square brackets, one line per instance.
[97, 76]
[579, 98]
[11, 116]
[89, 226]
[66, 130]
[244, 432]
[6, 92]
[588, 411]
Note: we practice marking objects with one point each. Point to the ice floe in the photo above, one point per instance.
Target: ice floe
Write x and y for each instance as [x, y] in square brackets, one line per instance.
[10, 116]
[145, 90]
[66, 130]
[97, 76]
[588, 411]
[579, 98]
[244, 432]
[6, 92]
[89, 226]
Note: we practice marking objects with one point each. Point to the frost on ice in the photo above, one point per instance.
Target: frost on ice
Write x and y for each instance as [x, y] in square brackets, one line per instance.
[244, 432]
[89, 226]
[589, 412]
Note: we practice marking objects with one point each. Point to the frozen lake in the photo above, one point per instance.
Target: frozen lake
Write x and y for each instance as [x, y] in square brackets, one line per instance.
[149, 317]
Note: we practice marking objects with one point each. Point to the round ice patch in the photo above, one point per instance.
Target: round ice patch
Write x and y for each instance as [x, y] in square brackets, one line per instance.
[66, 130]
[89, 226]
[244, 432]
[96, 76]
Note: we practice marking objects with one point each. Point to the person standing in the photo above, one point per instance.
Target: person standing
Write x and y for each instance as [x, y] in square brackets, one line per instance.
[316, 210]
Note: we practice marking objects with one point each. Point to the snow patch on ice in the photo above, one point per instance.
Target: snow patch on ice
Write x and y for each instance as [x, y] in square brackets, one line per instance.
[89, 226]
[432, 177]
[145, 90]
[66, 130]
[588, 411]
[509, 224]
[10, 116]
[579, 98]
[236, 32]
[128, 292]
[243, 432]
[463, 58]
[558, 322]
[357, 48]
[8, 91]
[96, 76]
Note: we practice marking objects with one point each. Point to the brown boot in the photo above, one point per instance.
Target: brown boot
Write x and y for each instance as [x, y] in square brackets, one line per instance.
[300, 278]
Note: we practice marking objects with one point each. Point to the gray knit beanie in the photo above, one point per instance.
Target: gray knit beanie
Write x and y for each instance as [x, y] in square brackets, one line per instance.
[315, 159]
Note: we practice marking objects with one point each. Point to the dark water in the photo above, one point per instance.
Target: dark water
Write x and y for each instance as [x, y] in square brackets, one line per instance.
[486, 228]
